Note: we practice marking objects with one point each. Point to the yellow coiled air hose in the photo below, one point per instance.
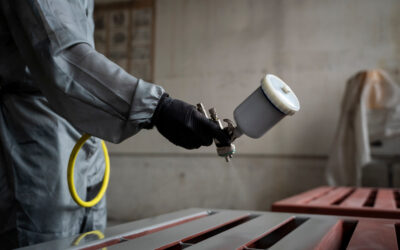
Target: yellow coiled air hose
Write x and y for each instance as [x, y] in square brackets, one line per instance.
[70, 173]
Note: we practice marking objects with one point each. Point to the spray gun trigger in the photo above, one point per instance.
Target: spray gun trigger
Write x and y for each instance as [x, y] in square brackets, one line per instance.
[232, 130]
[230, 123]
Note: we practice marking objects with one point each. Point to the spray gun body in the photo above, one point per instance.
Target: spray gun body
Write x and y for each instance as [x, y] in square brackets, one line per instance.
[259, 112]
[222, 150]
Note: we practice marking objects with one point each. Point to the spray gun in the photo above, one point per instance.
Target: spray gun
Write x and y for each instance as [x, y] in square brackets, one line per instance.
[259, 112]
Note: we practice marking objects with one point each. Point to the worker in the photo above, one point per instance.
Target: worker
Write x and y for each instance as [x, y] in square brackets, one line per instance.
[54, 87]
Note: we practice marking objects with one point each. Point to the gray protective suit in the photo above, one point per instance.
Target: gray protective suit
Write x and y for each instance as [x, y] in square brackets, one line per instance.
[53, 86]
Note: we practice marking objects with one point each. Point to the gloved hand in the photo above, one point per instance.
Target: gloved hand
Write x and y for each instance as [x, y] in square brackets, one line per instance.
[184, 126]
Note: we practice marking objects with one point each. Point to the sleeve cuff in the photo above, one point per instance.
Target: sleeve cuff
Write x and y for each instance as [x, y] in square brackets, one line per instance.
[144, 103]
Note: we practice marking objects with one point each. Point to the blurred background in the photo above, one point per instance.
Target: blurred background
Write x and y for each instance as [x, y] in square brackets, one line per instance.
[216, 52]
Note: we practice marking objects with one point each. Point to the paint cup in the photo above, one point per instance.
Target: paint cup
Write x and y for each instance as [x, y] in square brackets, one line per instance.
[265, 107]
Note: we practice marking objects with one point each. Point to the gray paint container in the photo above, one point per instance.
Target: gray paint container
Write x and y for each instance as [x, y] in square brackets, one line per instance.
[265, 107]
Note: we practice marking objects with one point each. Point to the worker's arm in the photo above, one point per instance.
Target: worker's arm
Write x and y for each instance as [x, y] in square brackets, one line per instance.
[126, 103]
[98, 97]
[93, 93]
[178, 121]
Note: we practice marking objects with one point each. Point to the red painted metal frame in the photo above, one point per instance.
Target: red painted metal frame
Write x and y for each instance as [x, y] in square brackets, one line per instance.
[263, 230]
[347, 201]
[370, 234]
[367, 234]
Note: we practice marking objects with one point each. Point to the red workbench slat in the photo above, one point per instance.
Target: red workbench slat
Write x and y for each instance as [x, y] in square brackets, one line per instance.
[358, 198]
[331, 197]
[385, 199]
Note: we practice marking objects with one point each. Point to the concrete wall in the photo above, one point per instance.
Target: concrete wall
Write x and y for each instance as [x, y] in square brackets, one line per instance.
[216, 52]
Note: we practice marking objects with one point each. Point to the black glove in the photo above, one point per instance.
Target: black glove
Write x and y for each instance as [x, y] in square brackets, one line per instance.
[184, 126]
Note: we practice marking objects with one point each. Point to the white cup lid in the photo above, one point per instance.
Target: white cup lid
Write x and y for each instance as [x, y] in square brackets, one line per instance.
[280, 94]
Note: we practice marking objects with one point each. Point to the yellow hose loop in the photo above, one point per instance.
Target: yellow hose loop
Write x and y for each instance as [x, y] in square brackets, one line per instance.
[99, 234]
[70, 173]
